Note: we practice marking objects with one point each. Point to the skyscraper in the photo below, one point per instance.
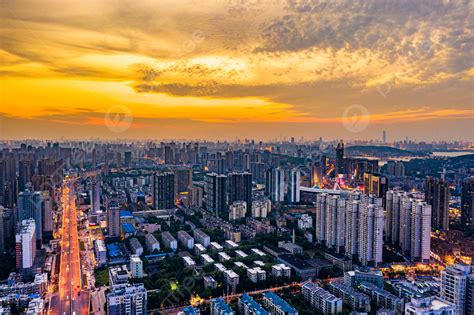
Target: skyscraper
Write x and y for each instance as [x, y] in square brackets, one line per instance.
[437, 195]
[240, 188]
[215, 194]
[113, 219]
[275, 184]
[371, 222]
[467, 203]
[26, 170]
[376, 184]
[330, 221]
[294, 178]
[163, 190]
[29, 207]
[182, 179]
[26, 244]
[339, 167]
[2, 231]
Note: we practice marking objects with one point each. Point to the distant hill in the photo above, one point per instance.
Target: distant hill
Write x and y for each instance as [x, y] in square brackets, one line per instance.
[379, 151]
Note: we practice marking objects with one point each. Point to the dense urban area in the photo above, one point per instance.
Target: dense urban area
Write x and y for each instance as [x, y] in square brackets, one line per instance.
[246, 227]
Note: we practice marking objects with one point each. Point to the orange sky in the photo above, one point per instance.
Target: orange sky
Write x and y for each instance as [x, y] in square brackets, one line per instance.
[227, 69]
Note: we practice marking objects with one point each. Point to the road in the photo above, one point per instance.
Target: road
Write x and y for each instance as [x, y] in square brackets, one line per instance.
[71, 298]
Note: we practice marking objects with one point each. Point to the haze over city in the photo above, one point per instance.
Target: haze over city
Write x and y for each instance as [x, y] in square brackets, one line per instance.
[213, 69]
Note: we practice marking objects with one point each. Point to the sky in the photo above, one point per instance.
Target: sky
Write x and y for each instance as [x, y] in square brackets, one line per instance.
[228, 69]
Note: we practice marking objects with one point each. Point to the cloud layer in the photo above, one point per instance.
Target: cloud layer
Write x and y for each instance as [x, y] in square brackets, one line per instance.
[213, 62]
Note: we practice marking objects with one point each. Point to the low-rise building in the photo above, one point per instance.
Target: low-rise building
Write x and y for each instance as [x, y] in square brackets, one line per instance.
[240, 254]
[199, 249]
[151, 243]
[216, 247]
[210, 282]
[281, 270]
[136, 267]
[430, 306]
[356, 300]
[291, 247]
[223, 257]
[206, 259]
[186, 239]
[220, 307]
[136, 247]
[258, 252]
[301, 267]
[248, 306]
[201, 238]
[240, 264]
[382, 298]
[118, 275]
[256, 274]
[305, 222]
[276, 305]
[231, 279]
[230, 244]
[356, 277]
[100, 252]
[169, 241]
[321, 299]
[189, 262]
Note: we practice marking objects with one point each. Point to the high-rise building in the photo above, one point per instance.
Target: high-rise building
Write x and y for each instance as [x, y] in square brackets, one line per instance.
[128, 159]
[467, 202]
[2, 231]
[330, 221]
[408, 224]
[275, 184]
[258, 172]
[371, 223]
[26, 244]
[182, 179]
[294, 179]
[240, 188]
[29, 207]
[127, 299]
[26, 169]
[376, 184]
[339, 166]
[437, 195]
[163, 190]
[215, 194]
[95, 196]
[113, 220]
[47, 212]
[396, 168]
[456, 287]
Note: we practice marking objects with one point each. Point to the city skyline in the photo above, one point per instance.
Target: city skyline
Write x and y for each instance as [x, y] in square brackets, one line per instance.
[197, 69]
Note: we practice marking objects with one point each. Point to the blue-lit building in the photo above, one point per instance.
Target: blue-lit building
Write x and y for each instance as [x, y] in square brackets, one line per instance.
[276, 305]
[128, 230]
[190, 311]
[248, 306]
[220, 307]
